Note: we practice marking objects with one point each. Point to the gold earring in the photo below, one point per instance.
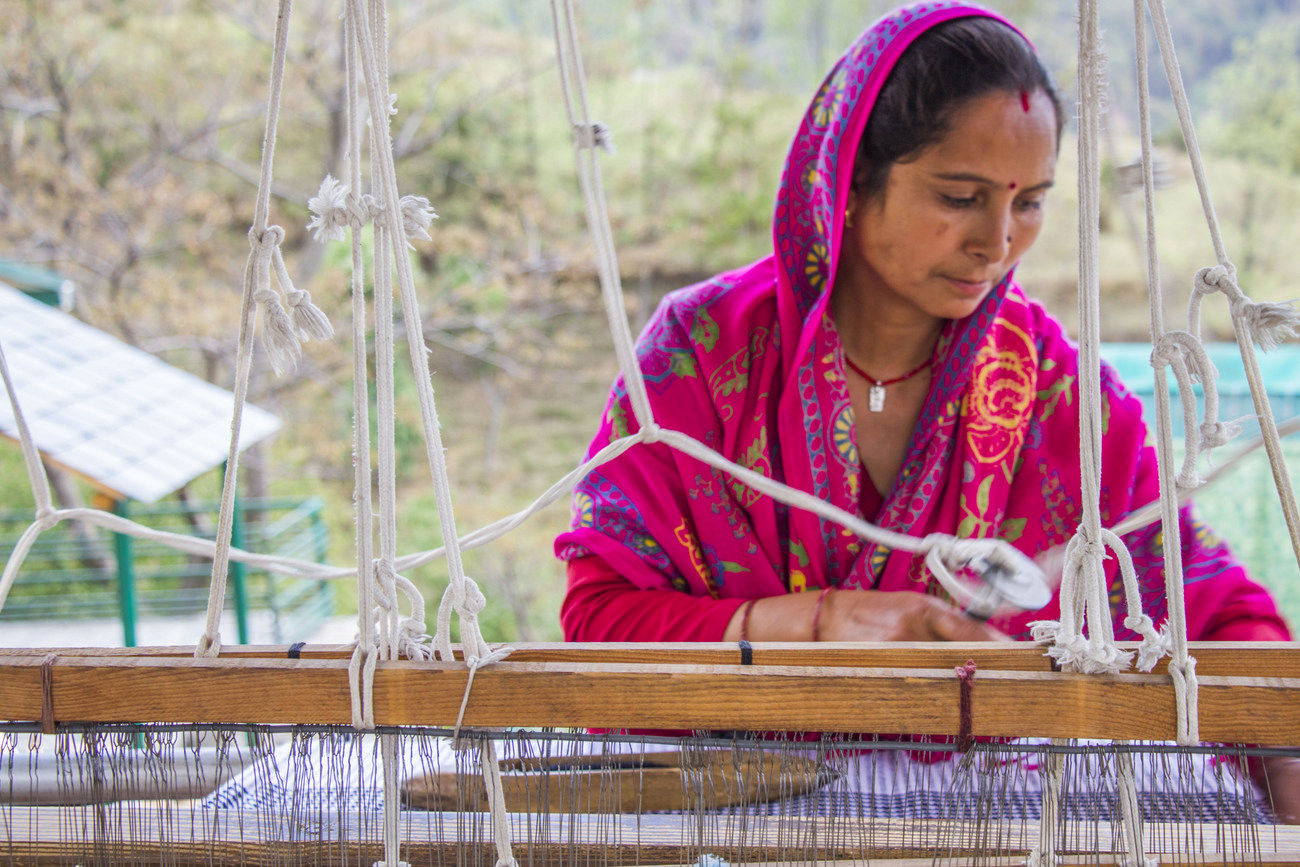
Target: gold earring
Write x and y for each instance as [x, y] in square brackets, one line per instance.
[848, 218]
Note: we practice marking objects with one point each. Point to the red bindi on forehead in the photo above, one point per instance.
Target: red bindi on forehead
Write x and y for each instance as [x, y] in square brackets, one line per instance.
[1011, 186]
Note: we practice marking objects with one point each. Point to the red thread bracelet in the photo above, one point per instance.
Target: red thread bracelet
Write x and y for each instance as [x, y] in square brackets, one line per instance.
[817, 614]
[744, 619]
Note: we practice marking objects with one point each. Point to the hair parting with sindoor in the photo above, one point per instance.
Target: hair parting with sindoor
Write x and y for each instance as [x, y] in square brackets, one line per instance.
[943, 69]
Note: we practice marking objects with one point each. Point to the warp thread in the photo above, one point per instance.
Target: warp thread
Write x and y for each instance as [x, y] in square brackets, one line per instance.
[47, 694]
[965, 707]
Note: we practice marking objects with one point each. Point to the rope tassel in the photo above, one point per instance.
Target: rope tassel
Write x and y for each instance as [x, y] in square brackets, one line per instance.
[417, 215]
[329, 208]
[279, 336]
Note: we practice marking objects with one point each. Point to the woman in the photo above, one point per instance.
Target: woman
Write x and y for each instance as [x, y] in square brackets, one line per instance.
[884, 359]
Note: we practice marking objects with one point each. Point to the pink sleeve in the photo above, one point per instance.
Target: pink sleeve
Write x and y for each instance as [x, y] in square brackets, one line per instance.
[1249, 614]
[601, 605]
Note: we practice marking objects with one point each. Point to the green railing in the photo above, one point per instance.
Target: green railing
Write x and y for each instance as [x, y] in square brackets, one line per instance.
[75, 571]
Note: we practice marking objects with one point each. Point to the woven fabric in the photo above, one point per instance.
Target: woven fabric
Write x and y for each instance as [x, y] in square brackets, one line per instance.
[340, 777]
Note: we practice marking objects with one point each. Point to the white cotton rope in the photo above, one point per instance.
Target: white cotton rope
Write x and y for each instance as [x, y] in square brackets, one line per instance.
[587, 137]
[1084, 596]
[364, 652]
[1083, 593]
[36, 477]
[1188, 348]
[385, 357]
[392, 228]
[298, 568]
[371, 37]
[1251, 321]
[260, 236]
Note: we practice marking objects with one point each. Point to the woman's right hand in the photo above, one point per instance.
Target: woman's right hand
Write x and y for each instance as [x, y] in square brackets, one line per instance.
[882, 615]
[860, 615]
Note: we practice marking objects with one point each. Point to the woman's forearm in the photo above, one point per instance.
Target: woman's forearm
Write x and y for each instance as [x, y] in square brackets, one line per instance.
[857, 615]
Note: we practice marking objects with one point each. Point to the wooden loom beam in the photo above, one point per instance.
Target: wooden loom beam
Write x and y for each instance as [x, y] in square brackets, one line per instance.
[236, 689]
[1224, 658]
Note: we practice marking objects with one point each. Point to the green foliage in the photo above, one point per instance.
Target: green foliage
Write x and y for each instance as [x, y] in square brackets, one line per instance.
[1255, 99]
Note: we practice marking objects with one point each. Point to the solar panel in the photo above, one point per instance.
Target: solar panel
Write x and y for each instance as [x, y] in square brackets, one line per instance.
[107, 410]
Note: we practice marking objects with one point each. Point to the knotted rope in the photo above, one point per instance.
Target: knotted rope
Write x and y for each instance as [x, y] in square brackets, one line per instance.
[1252, 322]
[263, 242]
[1084, 595]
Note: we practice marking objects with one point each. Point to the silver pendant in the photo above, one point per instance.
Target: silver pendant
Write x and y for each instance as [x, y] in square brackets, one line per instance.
[876, 397]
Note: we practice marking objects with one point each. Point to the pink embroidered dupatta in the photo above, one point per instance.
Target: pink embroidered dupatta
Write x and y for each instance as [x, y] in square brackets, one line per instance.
[750, 363]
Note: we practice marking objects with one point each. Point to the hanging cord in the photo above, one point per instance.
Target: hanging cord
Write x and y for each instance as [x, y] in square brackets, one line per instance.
[1251, 321]
[385, 343]
[299, 568]
[587, 136]
[390, 219]
[368, 32]
[332, 214]
[1085, 603]
[1084, 596]
[1189, 348]
[1185, 354]
[264, 240]
[36, 477]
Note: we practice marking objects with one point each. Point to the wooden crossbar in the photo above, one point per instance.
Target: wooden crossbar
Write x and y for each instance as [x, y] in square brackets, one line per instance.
[1224, 658]
[236, 689]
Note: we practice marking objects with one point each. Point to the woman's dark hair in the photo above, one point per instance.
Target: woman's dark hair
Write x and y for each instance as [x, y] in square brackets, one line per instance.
[945, 67]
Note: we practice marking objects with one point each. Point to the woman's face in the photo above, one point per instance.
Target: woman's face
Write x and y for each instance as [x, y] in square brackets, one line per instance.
[951, 222]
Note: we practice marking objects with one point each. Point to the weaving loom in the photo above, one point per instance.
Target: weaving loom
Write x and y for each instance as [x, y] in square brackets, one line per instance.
[393, 751]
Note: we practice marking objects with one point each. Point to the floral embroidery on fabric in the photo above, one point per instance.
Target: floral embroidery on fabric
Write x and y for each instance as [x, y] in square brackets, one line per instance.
[1000, 396]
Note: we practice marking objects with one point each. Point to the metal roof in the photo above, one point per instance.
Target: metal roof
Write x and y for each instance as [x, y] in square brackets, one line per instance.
[133, 425]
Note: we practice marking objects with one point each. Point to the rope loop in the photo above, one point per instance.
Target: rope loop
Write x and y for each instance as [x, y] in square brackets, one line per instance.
[279, 335]
[946, 555]
[361, 680]
[1165, 352]
[209, 645]
[652, 432]
[1217, 278]
[266, 240]
[1218, 433]
[466, 598]
[1183, 672]
[594, 135]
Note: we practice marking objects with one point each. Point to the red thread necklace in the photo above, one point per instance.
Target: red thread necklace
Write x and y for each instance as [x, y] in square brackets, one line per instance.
[876, 394]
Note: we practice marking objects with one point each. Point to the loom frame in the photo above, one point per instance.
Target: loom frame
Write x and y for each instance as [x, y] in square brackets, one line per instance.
[905, 688]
